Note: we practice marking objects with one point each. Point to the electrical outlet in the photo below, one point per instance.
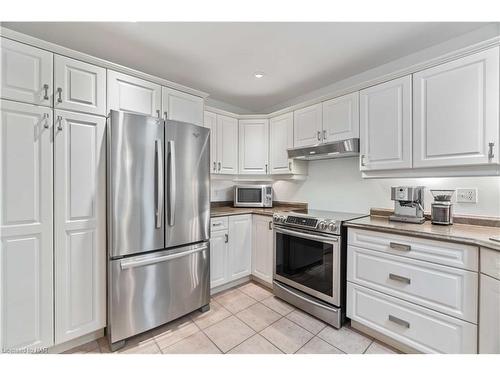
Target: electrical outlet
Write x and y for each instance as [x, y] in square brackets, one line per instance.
[466, 195]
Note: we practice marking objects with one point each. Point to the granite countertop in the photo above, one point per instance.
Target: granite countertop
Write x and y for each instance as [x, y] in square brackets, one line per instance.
[226, 209]
[462, 233]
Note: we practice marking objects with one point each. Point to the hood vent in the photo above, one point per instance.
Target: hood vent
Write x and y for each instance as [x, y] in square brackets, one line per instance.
[330, 150]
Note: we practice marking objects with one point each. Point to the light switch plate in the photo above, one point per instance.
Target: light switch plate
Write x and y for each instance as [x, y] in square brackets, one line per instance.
[467, 195]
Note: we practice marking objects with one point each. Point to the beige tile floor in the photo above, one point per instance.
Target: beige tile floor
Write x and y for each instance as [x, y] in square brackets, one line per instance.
[246, 320]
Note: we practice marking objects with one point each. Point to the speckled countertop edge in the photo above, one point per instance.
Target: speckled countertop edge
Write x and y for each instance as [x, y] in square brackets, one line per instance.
[219, 209]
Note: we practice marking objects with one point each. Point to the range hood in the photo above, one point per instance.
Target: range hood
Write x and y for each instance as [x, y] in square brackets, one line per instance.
[330, 150]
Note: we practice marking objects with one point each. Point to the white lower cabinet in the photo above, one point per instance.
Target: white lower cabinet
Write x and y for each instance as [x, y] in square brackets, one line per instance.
[80, 225]
[230, 249]
[262, 248]
[421, 293]
[489, 302]
[26, 251]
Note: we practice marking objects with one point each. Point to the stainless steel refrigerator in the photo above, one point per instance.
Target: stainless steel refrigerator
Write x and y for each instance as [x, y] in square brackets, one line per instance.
[158, 222]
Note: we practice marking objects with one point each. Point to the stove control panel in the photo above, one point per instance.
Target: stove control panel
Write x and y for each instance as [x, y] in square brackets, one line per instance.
[316, 224]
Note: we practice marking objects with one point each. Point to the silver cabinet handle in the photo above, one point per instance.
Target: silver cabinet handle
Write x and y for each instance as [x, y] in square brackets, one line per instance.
[399, 246]
[59, 122]
[399, 321]
[159, 183]
[126, 264]
[490, 152]
[158, 113]
[362, 157]
[165, 115]
[226, 238]
[289, 165]
[215, 166]
[325, 136]
[270, 225]
[59, 95]
[171, 183]
[46, 122]
[266, 168]
[219, 166]
[216, 224]
[402, 279]
[46, 92]
[318, 135]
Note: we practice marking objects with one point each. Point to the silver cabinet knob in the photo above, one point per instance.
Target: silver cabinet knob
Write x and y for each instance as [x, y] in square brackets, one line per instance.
[59, 122]
[46, 122]
[59, 95]
[490, 151]
[46, 92]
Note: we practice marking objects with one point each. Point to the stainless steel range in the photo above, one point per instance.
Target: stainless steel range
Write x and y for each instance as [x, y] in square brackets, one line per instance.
[310, 262]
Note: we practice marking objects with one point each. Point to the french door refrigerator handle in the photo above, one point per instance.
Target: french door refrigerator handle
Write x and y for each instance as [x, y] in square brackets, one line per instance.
[159, 183]
[171, 183]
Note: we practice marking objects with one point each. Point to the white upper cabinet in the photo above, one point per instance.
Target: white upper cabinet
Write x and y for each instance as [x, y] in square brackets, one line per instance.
[341, 118]
[26, 256]
[386, 126]
[455, 114]
[210, 122]
[227, 145]
[131, 94]
[280, 139]
[253, 146]
[307, 126]
[26, 73]
[80, 224]
[179, 106]
[79, 86]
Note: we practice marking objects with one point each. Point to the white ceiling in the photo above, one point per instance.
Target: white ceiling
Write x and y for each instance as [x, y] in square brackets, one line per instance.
[221, 58]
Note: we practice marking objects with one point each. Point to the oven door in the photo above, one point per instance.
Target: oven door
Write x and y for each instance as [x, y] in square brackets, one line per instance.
[249, 196]
[309, 262]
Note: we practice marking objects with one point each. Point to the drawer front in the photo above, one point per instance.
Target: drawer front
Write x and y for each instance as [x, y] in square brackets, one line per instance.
[440, 252]
[445, 289]
[218, 223]
[417, 327]
[490, 262]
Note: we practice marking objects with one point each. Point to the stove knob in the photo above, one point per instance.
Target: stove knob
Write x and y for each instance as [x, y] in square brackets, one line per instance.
[282, 219]
[322, 225]
[332, 227]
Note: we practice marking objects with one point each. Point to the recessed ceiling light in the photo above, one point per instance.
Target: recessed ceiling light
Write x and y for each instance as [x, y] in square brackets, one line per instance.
[259, 74]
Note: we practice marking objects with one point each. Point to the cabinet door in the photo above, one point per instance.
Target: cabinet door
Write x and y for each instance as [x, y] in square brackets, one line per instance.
[227, 145]
[218, 258]
[130, 94]
[262, 248]
[385, 127]
[307, 126]
[489, 315]
[253, 146]
[456, 112]
[210, 121]
[180, 106]
[26, 251]
[341, 118]
[240, 246]
[80, 225]
[79, 86]
[281, 139]
[26, 73]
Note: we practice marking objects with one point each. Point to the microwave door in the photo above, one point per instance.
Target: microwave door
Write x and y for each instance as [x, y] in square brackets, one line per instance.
[135, 184]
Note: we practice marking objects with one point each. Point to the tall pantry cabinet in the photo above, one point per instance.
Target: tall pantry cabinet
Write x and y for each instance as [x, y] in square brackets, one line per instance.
[52, 191]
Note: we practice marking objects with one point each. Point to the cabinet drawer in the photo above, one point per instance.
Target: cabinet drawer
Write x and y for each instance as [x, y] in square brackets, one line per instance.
[218, 223]
[490, 262]
[445, 289]
[415, 326]
[441, 252]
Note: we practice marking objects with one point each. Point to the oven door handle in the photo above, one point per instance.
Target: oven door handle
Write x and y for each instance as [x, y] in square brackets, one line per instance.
[301, 234]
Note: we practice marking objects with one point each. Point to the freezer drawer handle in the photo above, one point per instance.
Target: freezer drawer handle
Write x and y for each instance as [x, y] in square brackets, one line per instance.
[399, 278]
[399, 321]
[159, 183]
[127, 264]
[171, 183]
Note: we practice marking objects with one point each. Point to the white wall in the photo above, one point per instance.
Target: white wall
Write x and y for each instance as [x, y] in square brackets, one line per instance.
[336, 184]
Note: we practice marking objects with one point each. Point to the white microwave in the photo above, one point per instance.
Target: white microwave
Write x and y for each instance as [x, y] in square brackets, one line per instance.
[253, 196]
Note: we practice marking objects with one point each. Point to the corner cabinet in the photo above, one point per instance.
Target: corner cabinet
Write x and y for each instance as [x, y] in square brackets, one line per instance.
[131, 94]
[386, 126]
[262, 248]
[26, 252]
[179, 106]
[26, 73]
[80, 225]
[253, 146]
[456, 112]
